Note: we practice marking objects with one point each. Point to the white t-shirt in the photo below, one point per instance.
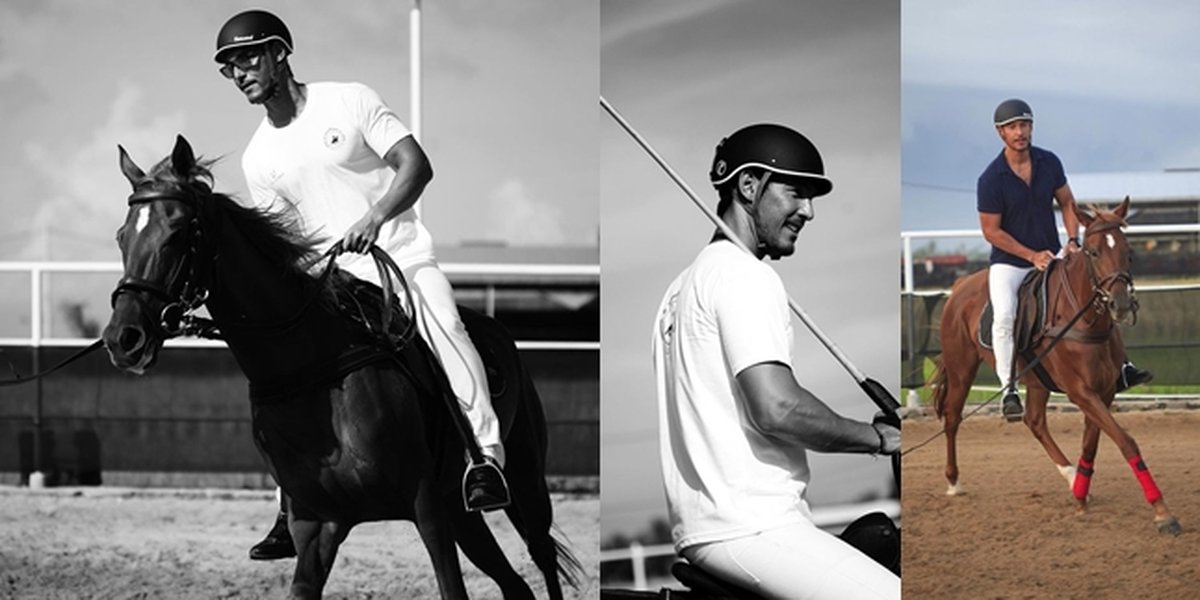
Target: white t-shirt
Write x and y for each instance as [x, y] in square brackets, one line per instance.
[326, 167]
[724, 313]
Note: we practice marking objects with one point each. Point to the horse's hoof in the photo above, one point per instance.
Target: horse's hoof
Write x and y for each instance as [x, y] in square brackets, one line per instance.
[1169, 525]
[955, 489]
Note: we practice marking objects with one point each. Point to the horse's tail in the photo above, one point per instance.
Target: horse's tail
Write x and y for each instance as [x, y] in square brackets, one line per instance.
[938, 385]
[570, 570]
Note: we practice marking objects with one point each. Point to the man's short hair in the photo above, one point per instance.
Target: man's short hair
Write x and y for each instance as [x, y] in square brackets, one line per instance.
[727, 192]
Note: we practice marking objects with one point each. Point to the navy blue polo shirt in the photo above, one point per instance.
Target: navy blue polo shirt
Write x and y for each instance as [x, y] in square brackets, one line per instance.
[1026, 211]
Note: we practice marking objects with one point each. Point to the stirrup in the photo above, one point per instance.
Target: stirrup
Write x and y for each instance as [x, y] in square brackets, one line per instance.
[487, 472]
[1012, 416]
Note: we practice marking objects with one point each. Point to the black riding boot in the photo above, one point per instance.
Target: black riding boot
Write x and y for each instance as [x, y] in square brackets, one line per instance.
[484, 487]
[1131, 376]
[278, 543]
[1013, 411]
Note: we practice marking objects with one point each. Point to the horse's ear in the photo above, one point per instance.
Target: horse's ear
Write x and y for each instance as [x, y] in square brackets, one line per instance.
[182, 157]
[1084, 216]
[132, 172]
[1123, 209]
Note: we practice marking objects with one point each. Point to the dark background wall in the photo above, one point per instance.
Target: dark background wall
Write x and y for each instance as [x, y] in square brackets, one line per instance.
[188, 421]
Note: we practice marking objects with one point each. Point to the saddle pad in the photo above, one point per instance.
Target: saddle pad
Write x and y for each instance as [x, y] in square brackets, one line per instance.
[1031, 311]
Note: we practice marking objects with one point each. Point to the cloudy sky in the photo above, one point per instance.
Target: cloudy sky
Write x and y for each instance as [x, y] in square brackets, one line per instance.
[509, 121]
[1113, 86]
[686, 73]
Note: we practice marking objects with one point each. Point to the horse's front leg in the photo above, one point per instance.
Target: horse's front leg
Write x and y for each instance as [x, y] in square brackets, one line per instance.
[1097, 411]
[316, 548]
[1082, 479]
[433, 523]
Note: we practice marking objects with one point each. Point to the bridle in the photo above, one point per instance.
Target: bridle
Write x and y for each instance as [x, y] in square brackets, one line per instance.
[1102, 286]
[184, 291]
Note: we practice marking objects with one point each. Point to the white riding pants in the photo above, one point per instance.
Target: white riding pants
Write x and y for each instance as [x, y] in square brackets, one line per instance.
[1003, 283]
[439, 321]
[797, 561]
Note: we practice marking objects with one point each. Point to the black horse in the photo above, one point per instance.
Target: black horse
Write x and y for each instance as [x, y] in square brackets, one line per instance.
[353, 424]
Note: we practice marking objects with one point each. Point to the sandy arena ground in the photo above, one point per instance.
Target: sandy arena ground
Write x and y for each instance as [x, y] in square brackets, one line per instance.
[1015, 533]
[126, 544]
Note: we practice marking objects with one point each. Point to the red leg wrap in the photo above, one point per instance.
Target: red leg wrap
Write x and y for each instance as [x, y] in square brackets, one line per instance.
[1083, 478]
[1143, 476]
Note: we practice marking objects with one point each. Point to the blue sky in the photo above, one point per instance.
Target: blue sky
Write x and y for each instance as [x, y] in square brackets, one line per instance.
[508, 123]
[686, 74]
[1112, 84]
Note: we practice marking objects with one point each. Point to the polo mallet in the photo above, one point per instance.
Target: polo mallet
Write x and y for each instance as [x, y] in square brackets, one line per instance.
[875, 391]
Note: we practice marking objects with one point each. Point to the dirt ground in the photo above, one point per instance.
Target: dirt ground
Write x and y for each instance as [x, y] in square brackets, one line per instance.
[1015, 534]
[126, 544]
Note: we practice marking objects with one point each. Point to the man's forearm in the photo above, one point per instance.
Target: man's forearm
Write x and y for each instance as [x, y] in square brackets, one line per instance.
[812, 424]
[401, 195]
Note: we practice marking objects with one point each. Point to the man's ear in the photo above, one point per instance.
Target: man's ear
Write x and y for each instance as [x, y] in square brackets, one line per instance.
[747, 187]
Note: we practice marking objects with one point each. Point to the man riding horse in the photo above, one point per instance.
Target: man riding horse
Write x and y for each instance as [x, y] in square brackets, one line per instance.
[1016, 213]
[734, 425]
[338, 160]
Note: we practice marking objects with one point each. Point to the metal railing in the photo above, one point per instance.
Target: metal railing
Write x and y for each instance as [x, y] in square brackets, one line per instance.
[906, 238]
[908, 289]
[38, 269]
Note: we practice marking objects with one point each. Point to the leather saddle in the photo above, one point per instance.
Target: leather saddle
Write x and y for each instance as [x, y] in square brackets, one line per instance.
[361, 304]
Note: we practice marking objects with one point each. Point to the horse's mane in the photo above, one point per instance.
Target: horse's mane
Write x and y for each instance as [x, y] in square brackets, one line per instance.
[277, 236]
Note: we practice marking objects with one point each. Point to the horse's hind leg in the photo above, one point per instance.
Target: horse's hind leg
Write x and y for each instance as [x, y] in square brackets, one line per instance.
[543, 549]
[1035, 419]
[531, 511]
[437, 533]
[959, 374]
[478, 543]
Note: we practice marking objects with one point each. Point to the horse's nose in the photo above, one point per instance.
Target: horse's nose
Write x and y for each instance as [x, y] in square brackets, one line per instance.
[131, 339]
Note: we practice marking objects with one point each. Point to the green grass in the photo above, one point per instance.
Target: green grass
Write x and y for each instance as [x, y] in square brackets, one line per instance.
[986, 378]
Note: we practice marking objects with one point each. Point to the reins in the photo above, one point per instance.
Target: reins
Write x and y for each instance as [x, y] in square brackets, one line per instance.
[1054, 340]
[70, 359]
[177, 318]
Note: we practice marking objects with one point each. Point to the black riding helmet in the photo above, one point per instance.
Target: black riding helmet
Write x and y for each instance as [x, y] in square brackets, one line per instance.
[251, 28]
[771, 147]
[1013, 109]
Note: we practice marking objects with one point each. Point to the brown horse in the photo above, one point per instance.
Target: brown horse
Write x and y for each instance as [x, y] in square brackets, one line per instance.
[1087, 294]
[352, 429]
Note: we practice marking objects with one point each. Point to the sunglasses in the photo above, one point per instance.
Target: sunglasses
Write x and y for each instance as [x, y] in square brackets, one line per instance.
[243, 61]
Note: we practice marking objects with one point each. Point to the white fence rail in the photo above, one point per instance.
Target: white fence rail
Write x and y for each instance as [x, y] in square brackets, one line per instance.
[37, 271]
[907, 237]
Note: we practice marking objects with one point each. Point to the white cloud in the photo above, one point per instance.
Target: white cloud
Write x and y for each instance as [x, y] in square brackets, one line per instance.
[84, 201]
[520, 219]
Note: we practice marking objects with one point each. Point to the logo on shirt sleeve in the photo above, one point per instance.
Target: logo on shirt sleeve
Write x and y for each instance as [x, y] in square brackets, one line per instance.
[334, 137]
